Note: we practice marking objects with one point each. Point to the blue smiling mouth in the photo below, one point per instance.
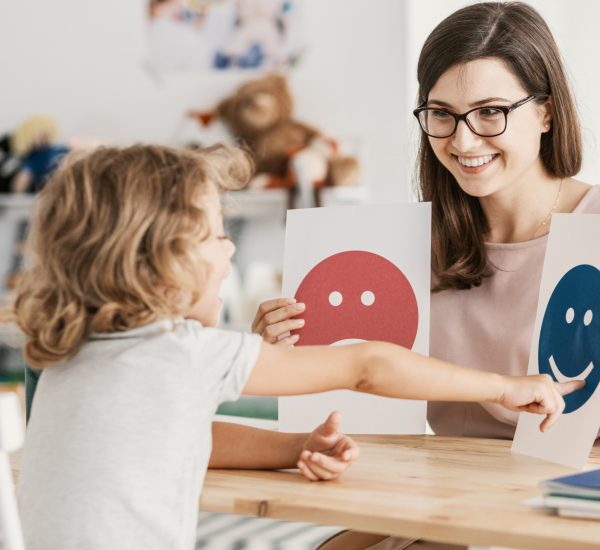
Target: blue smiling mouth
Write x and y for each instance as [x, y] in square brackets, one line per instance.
[560, 377]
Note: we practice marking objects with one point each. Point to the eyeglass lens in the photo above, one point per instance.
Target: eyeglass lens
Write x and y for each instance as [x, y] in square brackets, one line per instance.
[485, 121]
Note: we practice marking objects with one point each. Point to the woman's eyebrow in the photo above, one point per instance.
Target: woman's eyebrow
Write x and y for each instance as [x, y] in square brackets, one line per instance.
[474, 104]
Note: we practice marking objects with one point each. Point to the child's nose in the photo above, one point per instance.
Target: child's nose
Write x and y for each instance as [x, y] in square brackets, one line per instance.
[232, 248]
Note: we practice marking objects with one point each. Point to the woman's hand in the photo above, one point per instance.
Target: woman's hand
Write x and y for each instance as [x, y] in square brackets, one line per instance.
[537, 394]
[327, 453]
[274, 321]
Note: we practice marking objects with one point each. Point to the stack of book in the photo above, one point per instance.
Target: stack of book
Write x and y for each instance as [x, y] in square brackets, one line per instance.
[576, 495]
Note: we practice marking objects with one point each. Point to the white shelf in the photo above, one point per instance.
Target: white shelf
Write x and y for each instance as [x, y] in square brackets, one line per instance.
[272, 203]
[17, 201]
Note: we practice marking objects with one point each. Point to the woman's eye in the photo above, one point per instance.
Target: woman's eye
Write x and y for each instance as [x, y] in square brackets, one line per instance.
[441, 115]
[490, 112]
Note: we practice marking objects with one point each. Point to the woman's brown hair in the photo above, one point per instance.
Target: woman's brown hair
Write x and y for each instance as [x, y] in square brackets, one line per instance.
[517, 34]
[110, 229]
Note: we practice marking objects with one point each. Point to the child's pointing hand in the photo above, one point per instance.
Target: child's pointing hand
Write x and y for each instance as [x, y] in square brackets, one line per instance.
[327, 453]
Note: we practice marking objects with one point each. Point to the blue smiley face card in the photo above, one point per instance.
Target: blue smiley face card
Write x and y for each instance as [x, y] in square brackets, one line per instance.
[566, 341]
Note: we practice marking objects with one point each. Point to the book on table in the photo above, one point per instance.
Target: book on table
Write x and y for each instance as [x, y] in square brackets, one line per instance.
[584, 484]
[574, 495]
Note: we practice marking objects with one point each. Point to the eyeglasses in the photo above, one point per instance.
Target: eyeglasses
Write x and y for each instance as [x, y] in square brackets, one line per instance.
[483, 121]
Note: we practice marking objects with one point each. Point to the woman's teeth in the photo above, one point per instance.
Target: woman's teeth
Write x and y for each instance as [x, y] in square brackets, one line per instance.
[472, 162]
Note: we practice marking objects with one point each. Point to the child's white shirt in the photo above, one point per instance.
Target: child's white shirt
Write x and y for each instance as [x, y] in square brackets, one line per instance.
[119, 437]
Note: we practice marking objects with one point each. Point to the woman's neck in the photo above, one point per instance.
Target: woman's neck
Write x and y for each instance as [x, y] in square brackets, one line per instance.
[522, 211]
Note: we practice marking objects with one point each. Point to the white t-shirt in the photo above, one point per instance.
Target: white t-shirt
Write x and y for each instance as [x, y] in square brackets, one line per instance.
[119, 437]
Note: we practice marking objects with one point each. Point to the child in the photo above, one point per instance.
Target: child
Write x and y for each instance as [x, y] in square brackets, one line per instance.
[118, 308]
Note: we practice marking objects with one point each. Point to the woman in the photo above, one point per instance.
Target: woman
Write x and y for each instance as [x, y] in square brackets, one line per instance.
[500, 144]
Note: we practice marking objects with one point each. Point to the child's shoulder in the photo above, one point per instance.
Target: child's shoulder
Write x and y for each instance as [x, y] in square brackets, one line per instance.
[177, 339]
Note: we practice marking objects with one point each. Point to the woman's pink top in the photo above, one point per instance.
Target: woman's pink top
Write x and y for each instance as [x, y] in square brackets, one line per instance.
[490, 328]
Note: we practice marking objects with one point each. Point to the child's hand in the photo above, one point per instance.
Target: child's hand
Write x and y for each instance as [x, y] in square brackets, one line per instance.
[537, 394]
[327, 453]
[274, 318]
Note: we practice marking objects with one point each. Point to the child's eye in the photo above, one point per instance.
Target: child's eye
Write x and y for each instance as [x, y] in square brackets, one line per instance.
[224, 237]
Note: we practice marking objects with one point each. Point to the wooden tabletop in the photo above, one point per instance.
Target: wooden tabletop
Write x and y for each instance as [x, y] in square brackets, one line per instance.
[457, 490]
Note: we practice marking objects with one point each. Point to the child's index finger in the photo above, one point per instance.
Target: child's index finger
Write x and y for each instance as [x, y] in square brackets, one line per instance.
[569, 387]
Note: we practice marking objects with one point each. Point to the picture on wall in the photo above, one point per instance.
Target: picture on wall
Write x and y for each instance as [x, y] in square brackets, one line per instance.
[223, 35]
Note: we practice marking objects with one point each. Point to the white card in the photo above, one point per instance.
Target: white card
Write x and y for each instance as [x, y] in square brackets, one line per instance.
[566, 341]
[364, 274]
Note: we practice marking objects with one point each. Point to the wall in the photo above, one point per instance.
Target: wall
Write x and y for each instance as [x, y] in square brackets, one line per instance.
[85, 62]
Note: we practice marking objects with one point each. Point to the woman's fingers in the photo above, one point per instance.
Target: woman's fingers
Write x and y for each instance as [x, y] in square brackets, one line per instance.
[288, 340]
[276, 322]
[267, 307]
[271, 333]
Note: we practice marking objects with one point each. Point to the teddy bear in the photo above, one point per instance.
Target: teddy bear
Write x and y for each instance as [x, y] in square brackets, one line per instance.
[288, 154]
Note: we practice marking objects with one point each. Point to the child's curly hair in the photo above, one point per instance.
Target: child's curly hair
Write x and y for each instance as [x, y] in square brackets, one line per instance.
[111, 228]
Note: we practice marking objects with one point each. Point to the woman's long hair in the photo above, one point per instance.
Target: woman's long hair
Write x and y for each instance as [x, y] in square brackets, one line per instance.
[114, 243]
[516, 34]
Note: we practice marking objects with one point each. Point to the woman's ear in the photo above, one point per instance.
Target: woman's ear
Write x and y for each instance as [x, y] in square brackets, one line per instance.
[546, 115]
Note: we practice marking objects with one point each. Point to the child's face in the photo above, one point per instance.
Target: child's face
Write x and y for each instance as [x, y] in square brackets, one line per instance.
[507, 159]
[217, 251]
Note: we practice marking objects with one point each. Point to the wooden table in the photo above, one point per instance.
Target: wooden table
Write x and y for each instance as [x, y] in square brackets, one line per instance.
[457, 490]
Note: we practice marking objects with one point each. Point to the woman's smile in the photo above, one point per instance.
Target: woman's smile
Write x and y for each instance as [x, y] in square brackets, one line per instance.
[474, 164]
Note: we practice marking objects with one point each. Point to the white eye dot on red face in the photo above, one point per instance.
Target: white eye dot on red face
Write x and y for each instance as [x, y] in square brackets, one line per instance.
[587, 318]
[367, 298]
[570, 315]
[335, 298]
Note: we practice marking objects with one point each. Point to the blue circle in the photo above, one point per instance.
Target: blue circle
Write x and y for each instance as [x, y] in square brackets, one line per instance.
[570, 334]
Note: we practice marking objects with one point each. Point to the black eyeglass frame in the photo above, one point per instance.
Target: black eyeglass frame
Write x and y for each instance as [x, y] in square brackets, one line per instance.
[457, 118]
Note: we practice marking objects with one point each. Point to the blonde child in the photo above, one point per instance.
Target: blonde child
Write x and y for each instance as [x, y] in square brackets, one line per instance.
[118, 308]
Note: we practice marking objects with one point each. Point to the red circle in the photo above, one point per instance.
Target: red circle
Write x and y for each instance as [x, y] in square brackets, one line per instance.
[392, 317]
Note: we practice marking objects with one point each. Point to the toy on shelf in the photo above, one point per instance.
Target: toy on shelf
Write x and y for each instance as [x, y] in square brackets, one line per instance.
[288, 154]
[35, 140]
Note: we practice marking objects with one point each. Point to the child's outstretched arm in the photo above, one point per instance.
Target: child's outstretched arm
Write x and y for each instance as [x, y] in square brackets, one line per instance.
[392, 371]
[323, 454]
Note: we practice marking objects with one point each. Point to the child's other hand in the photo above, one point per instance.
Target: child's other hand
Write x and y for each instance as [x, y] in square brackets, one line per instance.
[537, 394]
[274, 319]
[327, 453]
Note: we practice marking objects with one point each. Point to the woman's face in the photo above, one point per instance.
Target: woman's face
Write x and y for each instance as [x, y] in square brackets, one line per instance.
[483, 166]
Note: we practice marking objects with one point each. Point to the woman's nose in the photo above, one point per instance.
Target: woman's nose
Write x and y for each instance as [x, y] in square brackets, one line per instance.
[464, 139]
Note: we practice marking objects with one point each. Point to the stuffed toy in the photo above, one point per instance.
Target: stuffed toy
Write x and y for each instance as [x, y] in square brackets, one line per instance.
[288, 154]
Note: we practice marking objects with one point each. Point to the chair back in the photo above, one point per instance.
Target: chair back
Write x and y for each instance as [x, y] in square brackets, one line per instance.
[11, 439]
